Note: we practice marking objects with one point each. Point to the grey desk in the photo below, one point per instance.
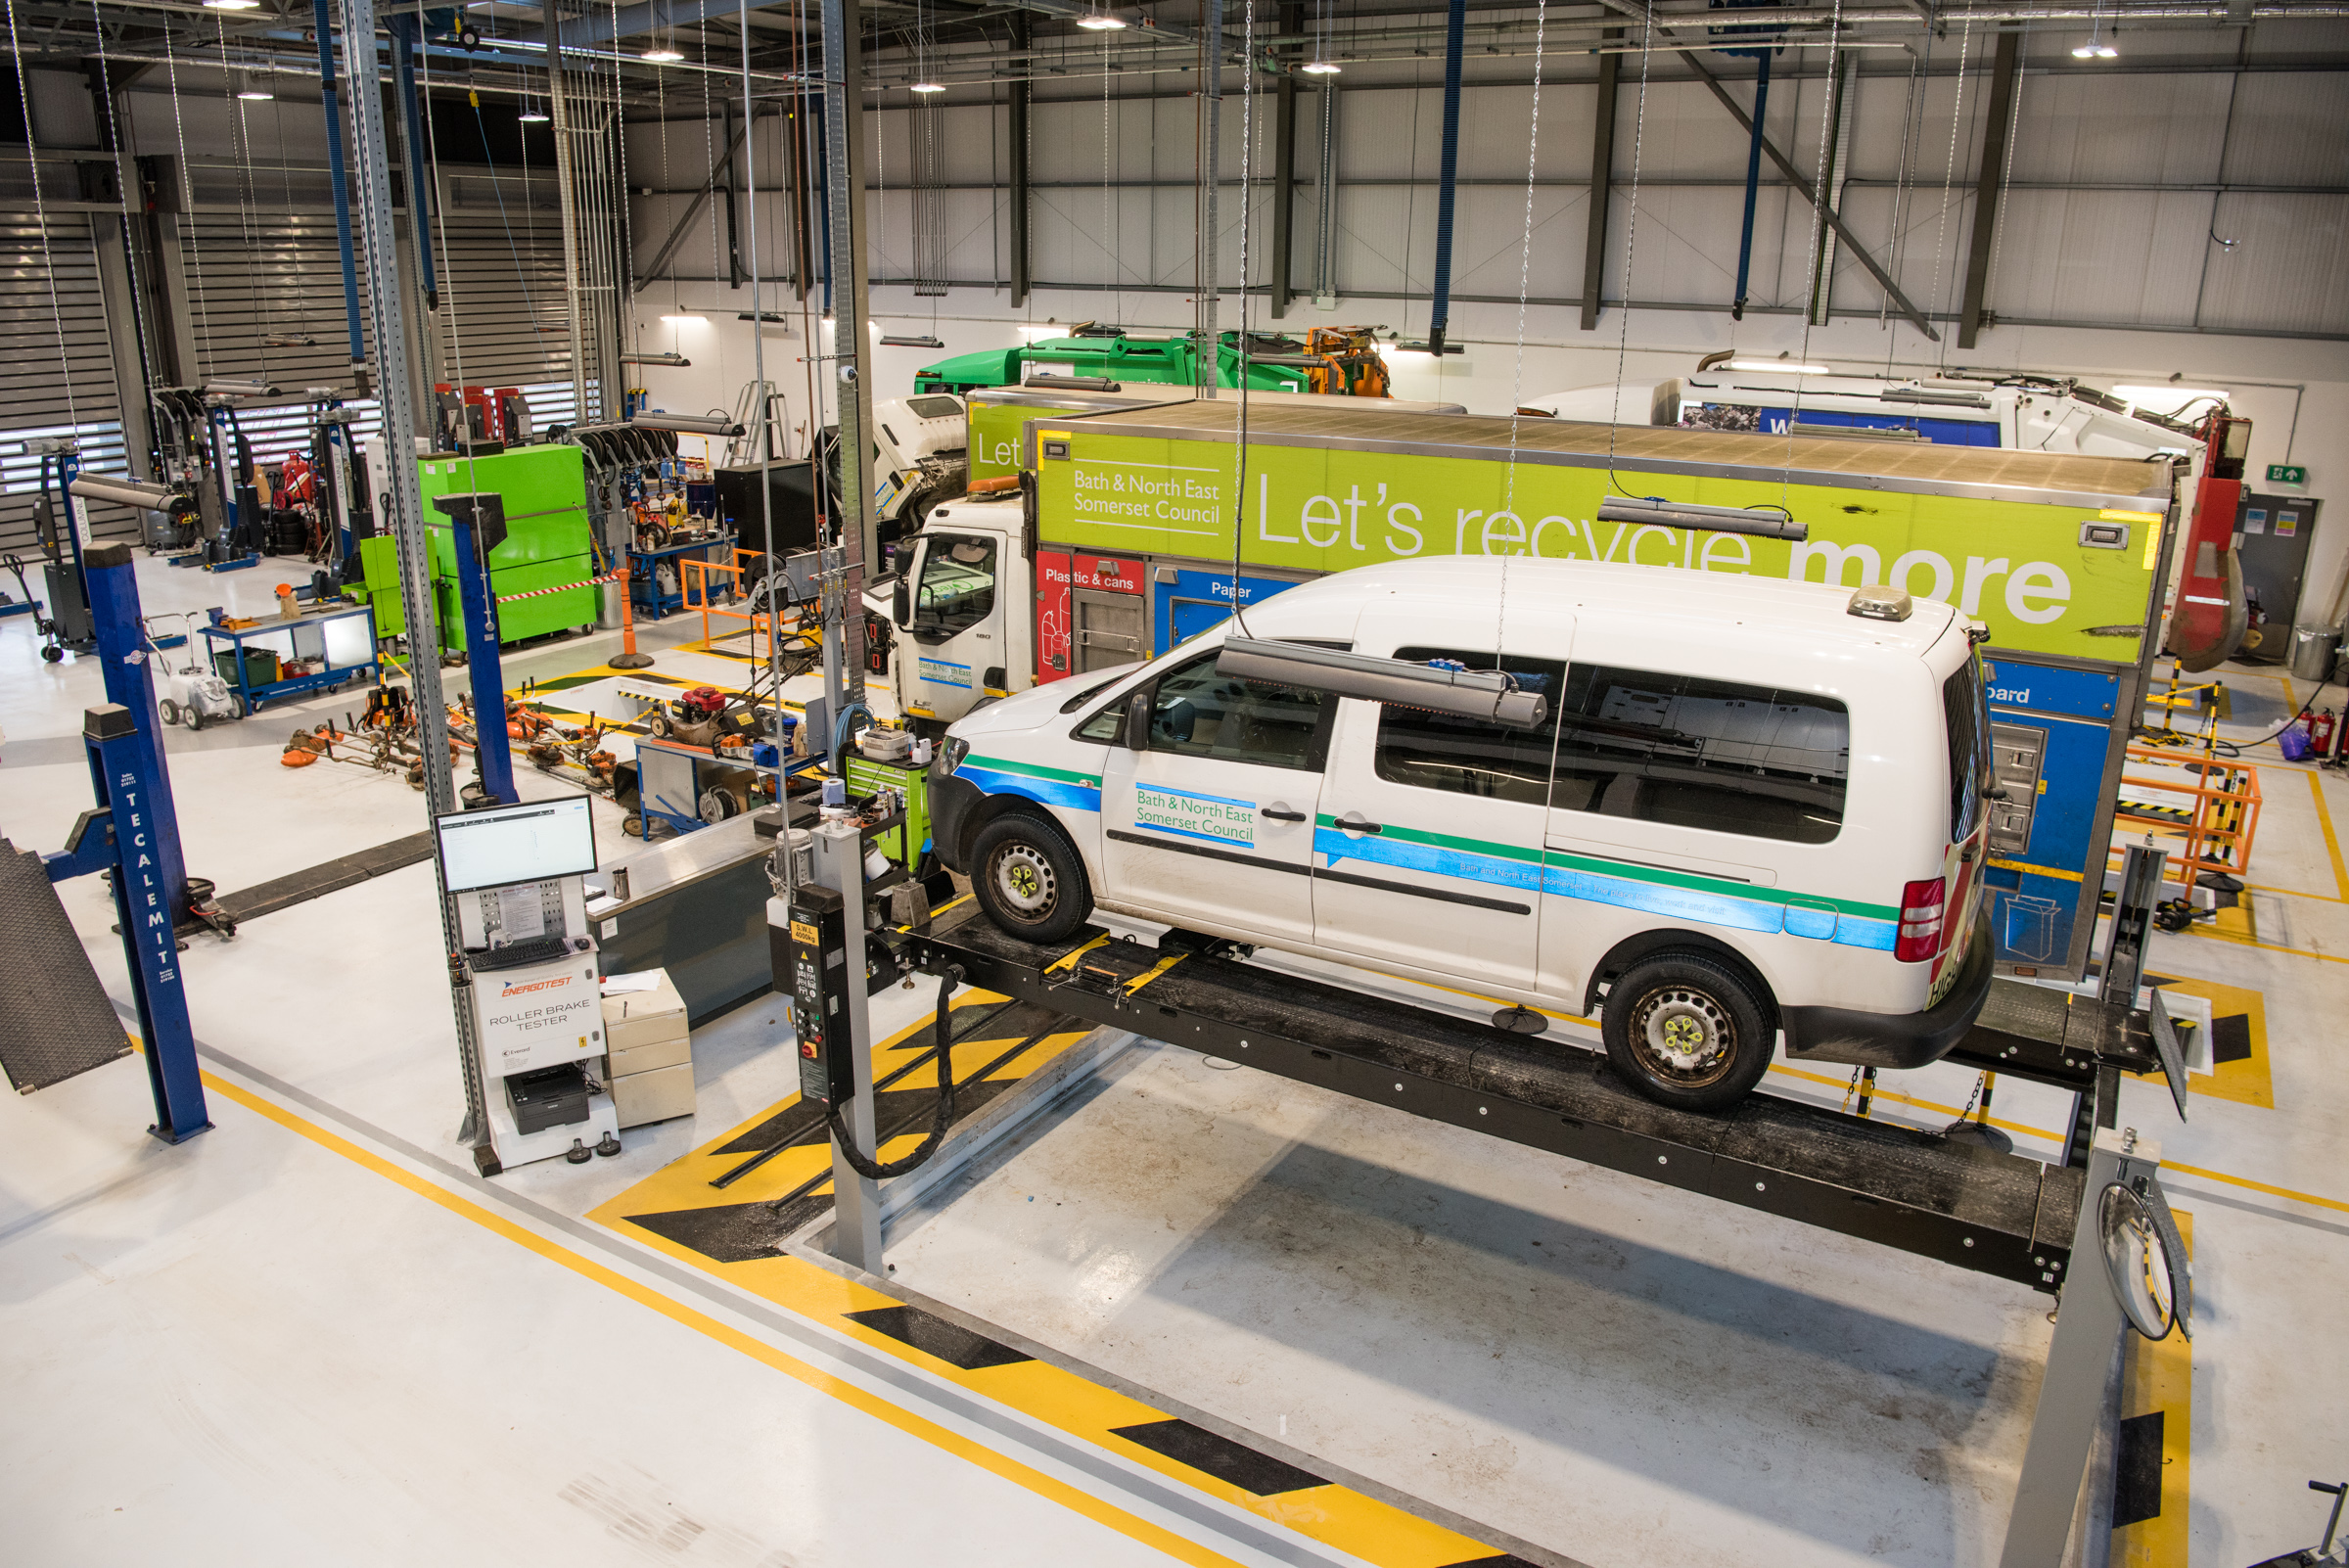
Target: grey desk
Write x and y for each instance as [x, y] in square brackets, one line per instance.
[696, 907]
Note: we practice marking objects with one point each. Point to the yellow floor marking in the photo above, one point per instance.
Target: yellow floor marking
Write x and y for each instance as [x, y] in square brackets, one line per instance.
[2294, 893]
[841, 1291]
[2248, 1080]
[2160, 1376]
[2255, 1186]
[2333, 843]
[2265, 946]
[1951, 1111]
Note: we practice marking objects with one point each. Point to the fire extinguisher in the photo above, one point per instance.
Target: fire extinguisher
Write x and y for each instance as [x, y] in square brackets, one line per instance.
[2319, 731]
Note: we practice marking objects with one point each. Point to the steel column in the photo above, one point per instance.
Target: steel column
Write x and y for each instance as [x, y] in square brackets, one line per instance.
[856, 1199]
[1987, 184]
[558, 105]
[1284, 168]
[1015, 132]
[1804, 188]
[1325, 203]
[844, 101]
[1602, 187]
[1204, 278]
[324, 24]
[399, 506]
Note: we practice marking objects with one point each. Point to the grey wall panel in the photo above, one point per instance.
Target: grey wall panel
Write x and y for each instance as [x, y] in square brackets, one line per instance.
[48, 389]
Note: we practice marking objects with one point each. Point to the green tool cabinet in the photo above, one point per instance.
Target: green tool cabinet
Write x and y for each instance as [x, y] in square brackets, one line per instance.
[546, 544]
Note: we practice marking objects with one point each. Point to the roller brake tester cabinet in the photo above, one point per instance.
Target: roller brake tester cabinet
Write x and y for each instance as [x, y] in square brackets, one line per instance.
[536, 991]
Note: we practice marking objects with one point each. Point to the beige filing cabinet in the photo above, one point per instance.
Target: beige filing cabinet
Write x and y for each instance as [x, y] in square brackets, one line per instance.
[648, 1064]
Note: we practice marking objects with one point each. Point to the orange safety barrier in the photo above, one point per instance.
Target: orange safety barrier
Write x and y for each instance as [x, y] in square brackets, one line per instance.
[705, 581]
[2202, 810]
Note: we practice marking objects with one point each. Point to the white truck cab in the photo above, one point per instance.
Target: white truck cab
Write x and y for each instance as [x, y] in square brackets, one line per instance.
[961, 609]
[1751, 807]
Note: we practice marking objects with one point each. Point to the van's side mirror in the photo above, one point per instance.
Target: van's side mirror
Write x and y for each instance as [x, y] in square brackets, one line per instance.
[1137, 721]
[900, 600]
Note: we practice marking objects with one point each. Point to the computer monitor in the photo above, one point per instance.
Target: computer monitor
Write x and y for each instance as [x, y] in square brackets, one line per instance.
[501, 844]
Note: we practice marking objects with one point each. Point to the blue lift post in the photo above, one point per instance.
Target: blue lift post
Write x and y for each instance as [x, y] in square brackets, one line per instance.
[478, 526]
[133, 831]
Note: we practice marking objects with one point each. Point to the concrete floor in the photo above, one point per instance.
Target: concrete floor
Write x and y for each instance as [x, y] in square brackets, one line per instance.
[313, 1336]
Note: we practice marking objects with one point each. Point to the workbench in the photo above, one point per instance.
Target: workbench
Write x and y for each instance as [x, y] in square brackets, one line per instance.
[344, 639]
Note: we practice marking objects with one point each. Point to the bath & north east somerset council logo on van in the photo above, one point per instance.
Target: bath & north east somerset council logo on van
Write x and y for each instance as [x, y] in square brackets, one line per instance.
[1215, 817]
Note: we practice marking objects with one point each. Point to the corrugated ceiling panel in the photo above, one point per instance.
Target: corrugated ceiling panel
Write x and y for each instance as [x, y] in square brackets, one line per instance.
[2289, 268]
[2289, 130]
[2117, 257]
[2134, 130]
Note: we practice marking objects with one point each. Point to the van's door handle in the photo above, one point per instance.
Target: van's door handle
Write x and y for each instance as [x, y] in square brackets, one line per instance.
[1355, 822]
[1279, 813]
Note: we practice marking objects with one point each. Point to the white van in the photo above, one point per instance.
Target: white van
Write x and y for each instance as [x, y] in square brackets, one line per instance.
[1753, 806]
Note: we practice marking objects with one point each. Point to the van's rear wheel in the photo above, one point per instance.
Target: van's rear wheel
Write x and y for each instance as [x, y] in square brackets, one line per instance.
[1030, 879]
[1687, 1031]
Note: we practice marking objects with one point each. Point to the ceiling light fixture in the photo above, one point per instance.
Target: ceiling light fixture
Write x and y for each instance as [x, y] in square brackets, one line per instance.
[1101, 21]
[663, 55]
[1320, 67]
[232, 5]
[928, 87]
[683, 315]
[254, 90]
[531, 113]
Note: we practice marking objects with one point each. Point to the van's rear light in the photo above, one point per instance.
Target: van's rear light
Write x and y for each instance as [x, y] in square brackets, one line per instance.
[1919, 936]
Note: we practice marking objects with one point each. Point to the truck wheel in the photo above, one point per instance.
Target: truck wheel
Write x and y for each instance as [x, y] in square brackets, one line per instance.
[1029, 879]
[1687, 1031]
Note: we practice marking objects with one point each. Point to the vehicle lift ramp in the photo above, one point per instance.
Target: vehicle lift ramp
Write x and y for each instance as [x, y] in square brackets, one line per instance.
[1992, 1213]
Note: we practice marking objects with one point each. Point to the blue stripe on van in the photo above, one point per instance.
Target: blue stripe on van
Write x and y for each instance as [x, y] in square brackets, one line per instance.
[1072, 791]
[1715, 903]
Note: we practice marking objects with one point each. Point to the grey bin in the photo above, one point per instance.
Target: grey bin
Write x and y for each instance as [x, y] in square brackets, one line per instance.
[608, 605]
[2312, 652]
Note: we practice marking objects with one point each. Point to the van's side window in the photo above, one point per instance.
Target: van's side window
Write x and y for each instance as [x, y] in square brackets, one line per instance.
[1198, 712]
[1468, 756]
[1703, 753]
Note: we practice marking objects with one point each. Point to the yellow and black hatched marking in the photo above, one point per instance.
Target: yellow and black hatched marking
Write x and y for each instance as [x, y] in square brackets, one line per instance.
[776, 1168]
[736, 1233]
[2152, 1475]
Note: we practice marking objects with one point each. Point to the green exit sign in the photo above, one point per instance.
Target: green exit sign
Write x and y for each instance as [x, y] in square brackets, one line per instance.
[2287, 474]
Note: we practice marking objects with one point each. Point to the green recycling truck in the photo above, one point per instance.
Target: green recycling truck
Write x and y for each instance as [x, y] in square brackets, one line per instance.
[1121, 544]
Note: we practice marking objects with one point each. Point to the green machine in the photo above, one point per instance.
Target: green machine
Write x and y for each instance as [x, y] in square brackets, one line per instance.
[546, 544]
[866, 775]
[1328, 359]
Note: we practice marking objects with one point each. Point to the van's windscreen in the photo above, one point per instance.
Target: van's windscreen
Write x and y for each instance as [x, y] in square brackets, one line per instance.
[1702, 754]
[1968, 724]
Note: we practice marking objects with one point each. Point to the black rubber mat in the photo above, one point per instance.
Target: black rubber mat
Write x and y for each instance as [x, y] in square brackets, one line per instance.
[2137, 1470]
[55, 1020]
[300, 887]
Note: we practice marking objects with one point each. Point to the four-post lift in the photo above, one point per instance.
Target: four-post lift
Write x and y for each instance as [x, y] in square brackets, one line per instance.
[2093, 1230]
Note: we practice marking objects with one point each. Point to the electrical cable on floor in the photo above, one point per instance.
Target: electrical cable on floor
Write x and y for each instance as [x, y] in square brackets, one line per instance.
[874, 1169]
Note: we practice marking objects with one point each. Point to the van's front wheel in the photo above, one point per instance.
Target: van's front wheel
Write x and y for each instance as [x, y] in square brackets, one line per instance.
[1030, 879]
[1687, 1031]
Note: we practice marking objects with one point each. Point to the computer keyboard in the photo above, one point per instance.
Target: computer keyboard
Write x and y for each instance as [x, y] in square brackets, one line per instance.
[516, 955]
